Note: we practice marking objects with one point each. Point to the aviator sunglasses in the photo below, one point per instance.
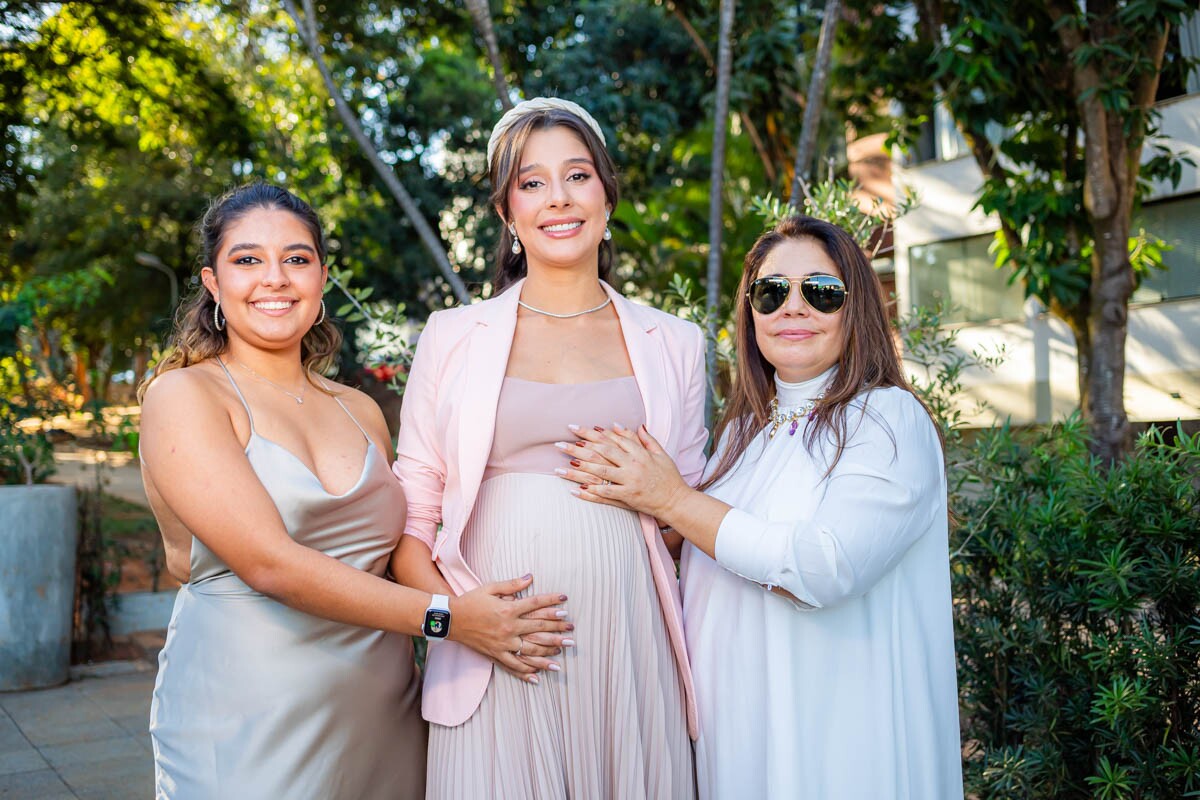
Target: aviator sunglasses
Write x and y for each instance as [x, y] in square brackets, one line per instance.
[825, 293]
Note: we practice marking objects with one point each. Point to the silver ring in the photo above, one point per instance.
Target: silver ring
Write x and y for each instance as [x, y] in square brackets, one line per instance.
[607, 483]
[518, 652]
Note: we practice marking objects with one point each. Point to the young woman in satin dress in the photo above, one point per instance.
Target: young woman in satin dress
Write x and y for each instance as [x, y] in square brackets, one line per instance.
[288, 668]
[493, 390]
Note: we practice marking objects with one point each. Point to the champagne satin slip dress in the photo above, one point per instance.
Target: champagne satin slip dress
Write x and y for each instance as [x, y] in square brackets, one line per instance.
[258, 701]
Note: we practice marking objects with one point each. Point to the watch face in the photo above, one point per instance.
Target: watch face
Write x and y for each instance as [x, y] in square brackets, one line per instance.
[437, 623]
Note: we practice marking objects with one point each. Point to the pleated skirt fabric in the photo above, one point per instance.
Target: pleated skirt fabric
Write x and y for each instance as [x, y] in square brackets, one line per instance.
[612, 723]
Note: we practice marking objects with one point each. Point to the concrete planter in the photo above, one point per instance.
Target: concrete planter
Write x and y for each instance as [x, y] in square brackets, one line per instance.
[38, 531]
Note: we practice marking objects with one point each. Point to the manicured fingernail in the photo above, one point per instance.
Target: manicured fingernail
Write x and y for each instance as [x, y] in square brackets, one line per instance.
[575, 462]
[581, 444]
[534, 680]
[618, 426]
[568, 642]
[577, 493]
[598, 429]
[560, 613]
[559, 471]
[572, 427]
[583, 487]
[561, 445]
[553, 667]
[562, 598]
[570, 626]
[527, 576]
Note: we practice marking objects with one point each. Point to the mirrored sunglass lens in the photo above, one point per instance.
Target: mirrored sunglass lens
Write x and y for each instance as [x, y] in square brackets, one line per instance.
[767, 295]
[825, 293]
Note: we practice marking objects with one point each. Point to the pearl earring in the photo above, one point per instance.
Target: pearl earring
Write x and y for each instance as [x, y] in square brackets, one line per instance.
[516, 245]
[607, 231]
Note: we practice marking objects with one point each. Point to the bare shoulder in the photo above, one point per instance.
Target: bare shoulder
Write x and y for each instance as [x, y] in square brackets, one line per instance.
[364, 408]
[188, 390]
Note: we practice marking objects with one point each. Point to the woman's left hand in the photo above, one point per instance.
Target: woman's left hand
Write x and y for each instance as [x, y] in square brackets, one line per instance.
[624, 468]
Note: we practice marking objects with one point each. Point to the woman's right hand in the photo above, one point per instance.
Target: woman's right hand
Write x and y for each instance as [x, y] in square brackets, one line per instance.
[489, 621]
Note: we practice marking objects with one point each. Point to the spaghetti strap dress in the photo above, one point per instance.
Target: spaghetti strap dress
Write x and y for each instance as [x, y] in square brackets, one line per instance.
[259, 701]
[612, 723]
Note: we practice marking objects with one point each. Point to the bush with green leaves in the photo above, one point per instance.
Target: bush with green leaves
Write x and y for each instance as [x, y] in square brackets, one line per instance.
[1077, 589]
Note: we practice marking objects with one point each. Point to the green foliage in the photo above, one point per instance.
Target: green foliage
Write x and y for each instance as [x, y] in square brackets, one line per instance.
[1077, 594]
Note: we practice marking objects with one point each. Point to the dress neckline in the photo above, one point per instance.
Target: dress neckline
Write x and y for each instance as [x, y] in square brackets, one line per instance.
[796, 395]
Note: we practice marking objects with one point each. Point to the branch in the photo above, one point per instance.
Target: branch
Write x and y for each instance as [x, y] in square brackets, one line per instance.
[1099, 188]
[747, 123]
[816, 97]
[989, 165]
[482, 16]
[308, 33]
[716, 181]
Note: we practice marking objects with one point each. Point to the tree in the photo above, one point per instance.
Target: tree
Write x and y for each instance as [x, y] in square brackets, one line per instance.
[716, 221]
[1055, 101]
[306, 25]
[807, 145]
[481, 15]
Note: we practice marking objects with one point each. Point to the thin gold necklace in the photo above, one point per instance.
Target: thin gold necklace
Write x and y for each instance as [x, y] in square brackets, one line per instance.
[299, 398]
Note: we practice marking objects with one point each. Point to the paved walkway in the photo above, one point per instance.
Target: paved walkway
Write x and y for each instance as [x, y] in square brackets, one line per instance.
[86, 739]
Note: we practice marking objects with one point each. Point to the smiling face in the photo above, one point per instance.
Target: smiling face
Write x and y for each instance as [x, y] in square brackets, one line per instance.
[558, 202]
[797, 340]
[268, 277]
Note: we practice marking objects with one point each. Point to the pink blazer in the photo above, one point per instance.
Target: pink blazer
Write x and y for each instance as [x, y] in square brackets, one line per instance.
[446, 427]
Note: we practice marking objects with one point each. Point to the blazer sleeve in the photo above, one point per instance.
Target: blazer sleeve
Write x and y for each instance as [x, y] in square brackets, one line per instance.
[420, 464]
[885, 493]
[693, 435]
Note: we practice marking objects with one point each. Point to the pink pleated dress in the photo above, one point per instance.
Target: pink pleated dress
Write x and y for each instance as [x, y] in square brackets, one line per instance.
[612, 723]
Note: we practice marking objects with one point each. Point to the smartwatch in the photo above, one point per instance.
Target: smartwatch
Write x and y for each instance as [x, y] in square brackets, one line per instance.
[437, 618]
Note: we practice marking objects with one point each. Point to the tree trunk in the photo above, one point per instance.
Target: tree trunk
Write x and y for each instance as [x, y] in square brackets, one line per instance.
[716, 194]
[807, 144]
[307, 29]
[1112, 286]
[481, 14]
[756, 139]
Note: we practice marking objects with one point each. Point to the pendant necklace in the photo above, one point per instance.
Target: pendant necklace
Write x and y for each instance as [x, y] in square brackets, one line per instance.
[299, 398]
[793, 415]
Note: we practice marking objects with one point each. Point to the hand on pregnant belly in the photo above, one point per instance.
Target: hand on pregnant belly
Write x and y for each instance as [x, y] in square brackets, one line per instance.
[518, 634]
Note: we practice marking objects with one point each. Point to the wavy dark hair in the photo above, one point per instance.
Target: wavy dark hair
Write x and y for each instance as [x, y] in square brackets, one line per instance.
[194, 337]
[506, 163]
[870, 357]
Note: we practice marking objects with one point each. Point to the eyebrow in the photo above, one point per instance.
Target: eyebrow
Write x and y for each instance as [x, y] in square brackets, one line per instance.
[580, 160]
[238, 248]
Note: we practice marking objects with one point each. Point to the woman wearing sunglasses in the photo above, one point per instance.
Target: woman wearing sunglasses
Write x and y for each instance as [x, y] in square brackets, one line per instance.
[816, 581]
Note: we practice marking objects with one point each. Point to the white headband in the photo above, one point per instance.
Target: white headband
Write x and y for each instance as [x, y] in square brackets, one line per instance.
[534, 105]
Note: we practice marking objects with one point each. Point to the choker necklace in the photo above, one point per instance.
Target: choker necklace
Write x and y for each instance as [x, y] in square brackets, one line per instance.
[528, 307]
[777, 417]
[299, 398]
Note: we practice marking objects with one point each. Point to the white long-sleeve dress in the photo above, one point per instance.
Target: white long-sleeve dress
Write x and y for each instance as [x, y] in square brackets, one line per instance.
[851, 694]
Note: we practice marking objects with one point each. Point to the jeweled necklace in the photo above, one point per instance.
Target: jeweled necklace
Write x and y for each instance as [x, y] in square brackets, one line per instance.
[528, 307]
[299, 398]
[794, 415]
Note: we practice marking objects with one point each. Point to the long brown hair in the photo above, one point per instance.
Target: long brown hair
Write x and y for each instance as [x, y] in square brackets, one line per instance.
[503, 170]
[195, 337]
[870, 358]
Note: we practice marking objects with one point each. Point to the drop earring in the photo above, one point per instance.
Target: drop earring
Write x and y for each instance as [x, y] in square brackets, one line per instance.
[607, 230]
[516, 245]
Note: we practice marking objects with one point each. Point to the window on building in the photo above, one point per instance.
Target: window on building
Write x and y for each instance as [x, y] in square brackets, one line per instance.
[1179, 77]
[962, 276]
[1173, 221]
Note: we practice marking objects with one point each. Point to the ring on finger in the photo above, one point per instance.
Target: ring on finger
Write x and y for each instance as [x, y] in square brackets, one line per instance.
[607, 482]
[517, 652]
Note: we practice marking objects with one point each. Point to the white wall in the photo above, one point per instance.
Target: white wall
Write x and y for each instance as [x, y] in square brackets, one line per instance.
[1037, 382]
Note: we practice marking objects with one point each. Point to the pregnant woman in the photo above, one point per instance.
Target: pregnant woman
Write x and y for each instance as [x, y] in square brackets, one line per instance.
[492, 391]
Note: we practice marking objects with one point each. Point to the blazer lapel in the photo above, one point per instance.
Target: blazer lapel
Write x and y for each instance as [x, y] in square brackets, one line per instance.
[644, 345]
[487, 361]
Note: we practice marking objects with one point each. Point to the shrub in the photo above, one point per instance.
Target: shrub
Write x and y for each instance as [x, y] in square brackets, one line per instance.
[1076, 592]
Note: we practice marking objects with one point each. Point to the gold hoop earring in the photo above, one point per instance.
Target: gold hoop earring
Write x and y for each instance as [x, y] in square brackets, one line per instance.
[321, 318]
